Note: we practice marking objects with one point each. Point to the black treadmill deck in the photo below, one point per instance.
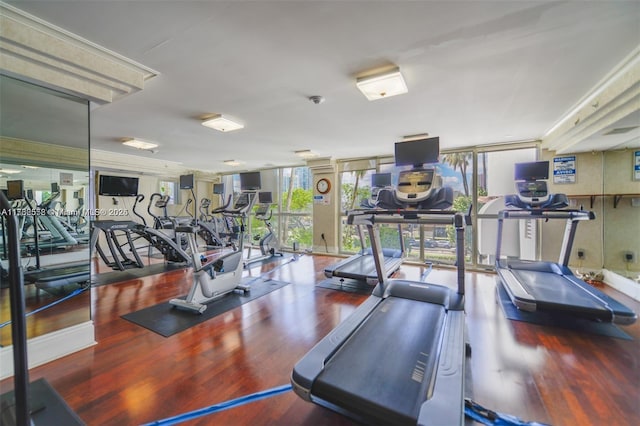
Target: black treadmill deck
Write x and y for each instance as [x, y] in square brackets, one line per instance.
[550, 287]
[387, 369]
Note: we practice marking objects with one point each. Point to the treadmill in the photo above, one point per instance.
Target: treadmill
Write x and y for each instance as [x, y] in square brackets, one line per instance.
[550, 286]
[361, 266]
[399, 358]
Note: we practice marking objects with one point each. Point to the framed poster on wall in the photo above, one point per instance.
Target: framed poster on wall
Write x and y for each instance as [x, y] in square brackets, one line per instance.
[636, 165]
[564, 169]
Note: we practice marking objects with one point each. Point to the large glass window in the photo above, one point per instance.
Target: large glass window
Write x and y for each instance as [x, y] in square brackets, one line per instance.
[296, 208]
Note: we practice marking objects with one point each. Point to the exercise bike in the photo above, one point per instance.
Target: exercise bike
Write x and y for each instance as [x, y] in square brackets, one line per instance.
[269, 244]
[213, 280]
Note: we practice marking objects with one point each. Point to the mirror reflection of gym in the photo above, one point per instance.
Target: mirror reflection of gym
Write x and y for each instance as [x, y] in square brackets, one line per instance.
[44, 168]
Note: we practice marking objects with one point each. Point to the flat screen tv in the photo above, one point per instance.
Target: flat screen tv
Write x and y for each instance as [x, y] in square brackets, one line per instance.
[15, 189]
[118, 186]
[218, 188]
[250, 181]
[380, 180]
[265, 197]
[186, 181]
[418, 152]
[536, 170]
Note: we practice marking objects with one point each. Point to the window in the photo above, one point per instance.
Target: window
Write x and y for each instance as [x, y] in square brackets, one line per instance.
[296, 207]
[169, 188]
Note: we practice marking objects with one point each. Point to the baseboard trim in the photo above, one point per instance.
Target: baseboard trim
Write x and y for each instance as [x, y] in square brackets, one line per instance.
[51, 346]
[622, 284]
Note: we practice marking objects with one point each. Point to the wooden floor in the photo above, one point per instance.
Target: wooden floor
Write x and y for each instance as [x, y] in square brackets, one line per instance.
[133, 376]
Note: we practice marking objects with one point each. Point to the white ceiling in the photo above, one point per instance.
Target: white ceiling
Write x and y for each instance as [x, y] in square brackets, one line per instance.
[478, 72]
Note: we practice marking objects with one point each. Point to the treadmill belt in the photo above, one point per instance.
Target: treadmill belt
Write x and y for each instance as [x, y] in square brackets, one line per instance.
[363, 266]
[386, 369]
[554, 289]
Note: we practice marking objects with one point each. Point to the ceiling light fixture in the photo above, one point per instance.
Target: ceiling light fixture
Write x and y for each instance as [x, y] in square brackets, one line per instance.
[305, 153]
[24, 166]
[382, 85]
[233, 163]
[218, 122]
[10, 171]
[138, 144]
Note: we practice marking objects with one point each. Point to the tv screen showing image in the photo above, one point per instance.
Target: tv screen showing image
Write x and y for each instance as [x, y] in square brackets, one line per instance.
[118, 186]
[15, 189]
[218, 188]
[380, 180]
[250, 181]
[265, 197]
[186, 181]
[418, 152]
[535, 170]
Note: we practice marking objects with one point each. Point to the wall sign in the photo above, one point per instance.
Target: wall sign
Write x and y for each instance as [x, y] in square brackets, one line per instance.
[636, 165]
[66, 179]
[564, 169]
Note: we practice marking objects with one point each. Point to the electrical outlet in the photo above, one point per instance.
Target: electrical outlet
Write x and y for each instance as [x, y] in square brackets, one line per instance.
[629, 257]
[581, 254]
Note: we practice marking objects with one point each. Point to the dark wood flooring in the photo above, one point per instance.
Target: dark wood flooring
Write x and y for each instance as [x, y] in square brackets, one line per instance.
[133, 376]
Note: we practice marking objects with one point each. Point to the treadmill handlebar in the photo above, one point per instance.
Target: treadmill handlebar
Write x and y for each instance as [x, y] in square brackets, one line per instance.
[547, 214]
[367, 216]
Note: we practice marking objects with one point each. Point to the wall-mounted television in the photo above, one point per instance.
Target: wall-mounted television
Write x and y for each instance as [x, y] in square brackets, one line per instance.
[218, 188]
[186, 181]
[15, 189]
[380, 180]
[118, 186]
[535, 170]
[265, 197]
[250, 181]
[418, 152]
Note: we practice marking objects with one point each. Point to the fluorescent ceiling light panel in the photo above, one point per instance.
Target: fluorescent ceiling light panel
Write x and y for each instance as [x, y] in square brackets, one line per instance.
[305, 153]
[385, 85]
[222, 124]
[232, 163]
[136, 143]
[30, 167]
[10, 171]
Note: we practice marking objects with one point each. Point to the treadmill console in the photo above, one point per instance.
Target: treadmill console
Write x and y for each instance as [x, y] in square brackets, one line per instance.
[414, 185]
[533, 193]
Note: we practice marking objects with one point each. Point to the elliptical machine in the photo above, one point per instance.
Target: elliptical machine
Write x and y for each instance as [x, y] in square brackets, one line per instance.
[213, 280]
[269, 244]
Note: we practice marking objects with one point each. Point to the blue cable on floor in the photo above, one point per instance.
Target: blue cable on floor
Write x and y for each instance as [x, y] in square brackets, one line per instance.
[42, 308]
[221, 406]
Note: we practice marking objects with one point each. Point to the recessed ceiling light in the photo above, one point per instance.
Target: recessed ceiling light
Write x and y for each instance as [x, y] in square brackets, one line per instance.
[233, 163]
[382, 85]
[620, 130]
[137, 143]
[218, 122]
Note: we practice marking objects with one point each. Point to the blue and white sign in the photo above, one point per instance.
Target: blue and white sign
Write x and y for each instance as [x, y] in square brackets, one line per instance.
[636, 165]
[564, 169]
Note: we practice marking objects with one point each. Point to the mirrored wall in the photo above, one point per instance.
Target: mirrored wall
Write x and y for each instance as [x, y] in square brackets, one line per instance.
[44, 169]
